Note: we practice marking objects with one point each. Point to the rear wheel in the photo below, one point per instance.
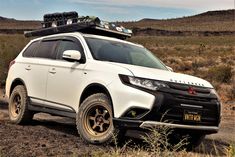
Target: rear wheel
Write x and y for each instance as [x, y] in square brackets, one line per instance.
[18, 106]
[94, 119]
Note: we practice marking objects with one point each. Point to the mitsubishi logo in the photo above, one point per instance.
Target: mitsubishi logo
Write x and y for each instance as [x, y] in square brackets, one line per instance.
[192, 91]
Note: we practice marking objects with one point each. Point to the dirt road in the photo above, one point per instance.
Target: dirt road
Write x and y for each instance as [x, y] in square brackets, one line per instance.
[50, 136]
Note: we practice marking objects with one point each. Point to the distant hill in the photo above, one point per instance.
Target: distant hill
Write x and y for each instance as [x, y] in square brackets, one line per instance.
[223, 20]
[220, 22]
[3, 18]
[6, 19]
[10, 23]
[221, 15]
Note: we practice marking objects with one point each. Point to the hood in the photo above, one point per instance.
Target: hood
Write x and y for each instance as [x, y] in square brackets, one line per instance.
[163, 75]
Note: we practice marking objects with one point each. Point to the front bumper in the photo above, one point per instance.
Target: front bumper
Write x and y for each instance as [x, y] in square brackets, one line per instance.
[168, 110]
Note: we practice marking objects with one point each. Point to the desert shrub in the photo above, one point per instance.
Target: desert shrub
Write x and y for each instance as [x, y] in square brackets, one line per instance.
[222, 73]
[230, 150]
[232, 90]
[158, 142]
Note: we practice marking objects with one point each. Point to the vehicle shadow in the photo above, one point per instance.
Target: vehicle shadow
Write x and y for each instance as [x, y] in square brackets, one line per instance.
[60, 124]
[66, 128]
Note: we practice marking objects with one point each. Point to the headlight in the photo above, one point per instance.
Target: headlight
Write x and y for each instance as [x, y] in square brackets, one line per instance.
[143, 83]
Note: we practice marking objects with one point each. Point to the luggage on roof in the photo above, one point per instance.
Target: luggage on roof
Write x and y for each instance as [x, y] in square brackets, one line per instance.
[72, 22]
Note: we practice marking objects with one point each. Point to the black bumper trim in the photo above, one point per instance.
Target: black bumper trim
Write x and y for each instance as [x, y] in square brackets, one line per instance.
[126, 123]
[143, 125]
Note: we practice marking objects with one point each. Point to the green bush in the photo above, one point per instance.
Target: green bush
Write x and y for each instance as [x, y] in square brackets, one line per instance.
[222, 73]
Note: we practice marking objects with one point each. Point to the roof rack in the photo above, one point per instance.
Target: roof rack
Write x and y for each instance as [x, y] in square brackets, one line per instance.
[70, 22]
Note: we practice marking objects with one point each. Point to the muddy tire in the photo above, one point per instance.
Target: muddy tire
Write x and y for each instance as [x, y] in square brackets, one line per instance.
[18, 106]
[94, 119]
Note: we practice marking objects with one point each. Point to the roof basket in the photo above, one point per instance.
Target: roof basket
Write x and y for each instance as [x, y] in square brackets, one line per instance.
[70, 22]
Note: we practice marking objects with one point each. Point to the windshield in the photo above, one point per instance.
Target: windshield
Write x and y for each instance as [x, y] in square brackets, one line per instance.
[114, 51]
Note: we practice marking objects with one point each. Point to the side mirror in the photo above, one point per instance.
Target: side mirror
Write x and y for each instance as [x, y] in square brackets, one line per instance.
[169, 68]
[72, 55]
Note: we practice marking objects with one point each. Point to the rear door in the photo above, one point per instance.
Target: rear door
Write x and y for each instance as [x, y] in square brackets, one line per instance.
[38, 71]
[64, 77]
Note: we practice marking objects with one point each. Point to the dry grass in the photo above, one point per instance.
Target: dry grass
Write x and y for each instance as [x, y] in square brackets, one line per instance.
[10, 46]
[14, 24]
[157, 144]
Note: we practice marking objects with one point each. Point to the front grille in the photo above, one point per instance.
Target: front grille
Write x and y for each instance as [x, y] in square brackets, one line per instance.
[183, 87]
[186, 98]
[172, 111]
[169, 108]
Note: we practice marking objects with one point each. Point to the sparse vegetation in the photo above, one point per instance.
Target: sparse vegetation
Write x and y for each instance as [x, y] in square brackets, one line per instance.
[10, 46]
[156, 143]
[15, 24]
[221, 74]
[230, 151]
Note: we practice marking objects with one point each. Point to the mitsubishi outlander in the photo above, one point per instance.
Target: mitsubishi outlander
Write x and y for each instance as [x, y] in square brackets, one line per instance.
[107, 84]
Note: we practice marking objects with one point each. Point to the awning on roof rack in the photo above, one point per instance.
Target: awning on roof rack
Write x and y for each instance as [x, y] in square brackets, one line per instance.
[70, 22]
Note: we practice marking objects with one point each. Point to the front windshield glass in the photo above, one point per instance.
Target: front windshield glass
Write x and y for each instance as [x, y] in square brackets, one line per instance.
[119, 52]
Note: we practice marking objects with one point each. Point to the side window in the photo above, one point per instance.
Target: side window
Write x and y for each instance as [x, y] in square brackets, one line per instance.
[46, 49]
[29, 52]
[68, 45]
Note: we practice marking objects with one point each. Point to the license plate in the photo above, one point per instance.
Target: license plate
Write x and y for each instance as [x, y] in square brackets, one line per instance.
[192, 116]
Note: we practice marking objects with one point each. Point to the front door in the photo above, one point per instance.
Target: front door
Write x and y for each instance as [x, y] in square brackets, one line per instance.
[64, 77]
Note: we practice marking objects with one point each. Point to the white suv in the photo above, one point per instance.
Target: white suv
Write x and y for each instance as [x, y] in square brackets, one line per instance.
[107, 84]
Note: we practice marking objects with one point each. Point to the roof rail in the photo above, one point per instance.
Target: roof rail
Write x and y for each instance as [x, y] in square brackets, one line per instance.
[70, 22]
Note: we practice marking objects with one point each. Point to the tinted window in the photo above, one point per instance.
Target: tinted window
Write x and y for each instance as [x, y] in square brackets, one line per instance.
[46, 49]
[115, 51]
[68, 45]
[29, 52]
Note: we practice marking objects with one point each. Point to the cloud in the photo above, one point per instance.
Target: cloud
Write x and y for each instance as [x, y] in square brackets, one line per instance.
[189, 4]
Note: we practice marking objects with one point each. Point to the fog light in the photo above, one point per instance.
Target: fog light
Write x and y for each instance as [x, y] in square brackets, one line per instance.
[131, 114]
[136, 113]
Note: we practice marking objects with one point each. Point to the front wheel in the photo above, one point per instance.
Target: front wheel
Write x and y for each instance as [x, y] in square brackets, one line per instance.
[94, 119]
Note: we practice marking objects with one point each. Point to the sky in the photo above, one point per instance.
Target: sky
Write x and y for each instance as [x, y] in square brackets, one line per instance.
[111, 10]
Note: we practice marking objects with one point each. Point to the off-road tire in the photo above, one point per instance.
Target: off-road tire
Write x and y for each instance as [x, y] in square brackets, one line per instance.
[89, 119]
[18, 106]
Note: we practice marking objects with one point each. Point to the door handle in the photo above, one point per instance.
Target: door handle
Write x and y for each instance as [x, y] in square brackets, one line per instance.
[28, 68]
[52, 71]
